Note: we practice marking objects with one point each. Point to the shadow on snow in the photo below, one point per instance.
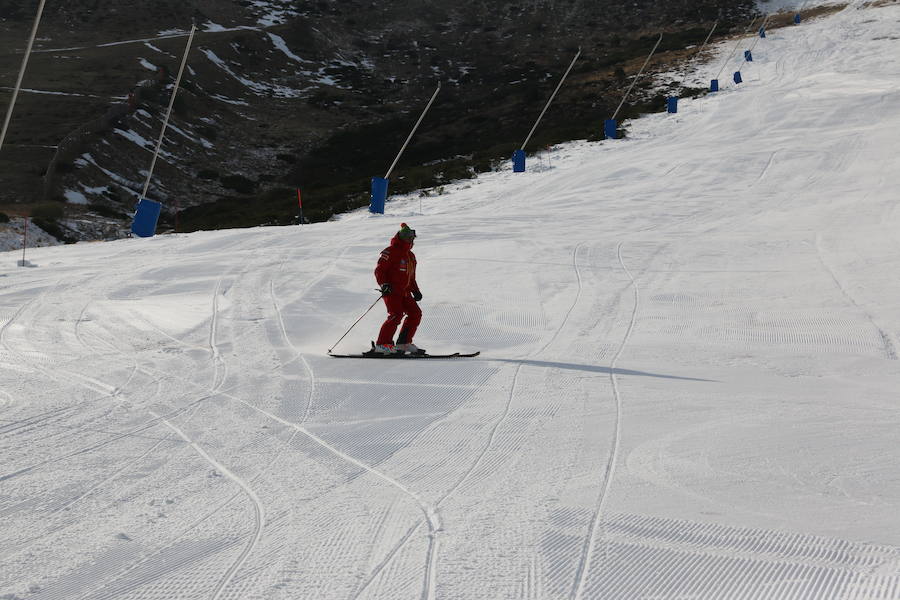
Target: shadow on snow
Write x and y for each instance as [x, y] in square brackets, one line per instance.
[596, 369]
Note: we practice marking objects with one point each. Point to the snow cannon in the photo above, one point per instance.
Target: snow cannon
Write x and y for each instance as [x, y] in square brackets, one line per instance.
[672, 104]
[379, 195]
[518, 160]
[609, 129]
[145, 218]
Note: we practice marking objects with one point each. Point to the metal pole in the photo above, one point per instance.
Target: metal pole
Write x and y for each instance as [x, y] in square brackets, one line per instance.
[702, 46]
[706, 41]
[162, 134]
[756, 41]
[556, 91]
[15, 95]
[354, 324]
[730, 54]
[411, 133]
[652, 52]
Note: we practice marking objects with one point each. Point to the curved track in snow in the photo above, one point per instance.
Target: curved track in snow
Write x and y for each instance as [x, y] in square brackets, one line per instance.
[591, 539]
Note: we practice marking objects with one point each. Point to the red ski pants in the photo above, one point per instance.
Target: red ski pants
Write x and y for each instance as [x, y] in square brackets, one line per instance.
[397, 306]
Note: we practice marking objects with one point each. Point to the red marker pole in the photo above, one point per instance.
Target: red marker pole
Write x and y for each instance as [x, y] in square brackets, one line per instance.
[24, 240]
[300, 204]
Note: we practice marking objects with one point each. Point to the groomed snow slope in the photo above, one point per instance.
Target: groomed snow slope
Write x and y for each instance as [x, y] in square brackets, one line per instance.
[687, 387]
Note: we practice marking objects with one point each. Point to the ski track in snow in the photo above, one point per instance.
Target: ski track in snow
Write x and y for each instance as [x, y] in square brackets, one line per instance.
[591, 539]
[890, 347]
[219, 364]
[429, 585]
[259, 513]
[92, 384]
[219, 589]
[157, 418]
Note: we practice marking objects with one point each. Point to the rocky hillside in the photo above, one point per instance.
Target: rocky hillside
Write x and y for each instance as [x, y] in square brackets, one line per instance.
[319, 95]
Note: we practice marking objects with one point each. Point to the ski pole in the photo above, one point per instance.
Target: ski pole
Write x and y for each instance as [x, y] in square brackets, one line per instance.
[357, 321]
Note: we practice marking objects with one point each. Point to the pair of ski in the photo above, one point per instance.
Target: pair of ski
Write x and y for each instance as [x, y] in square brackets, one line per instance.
[400, 354]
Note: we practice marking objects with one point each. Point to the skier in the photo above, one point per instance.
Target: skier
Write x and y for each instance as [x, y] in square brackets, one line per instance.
[396, 276]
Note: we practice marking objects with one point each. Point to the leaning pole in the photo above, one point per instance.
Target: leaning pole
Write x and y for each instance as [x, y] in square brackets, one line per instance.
[12, 103]
[610, 125]
[519, 155]
[380, 184]
[147, 213]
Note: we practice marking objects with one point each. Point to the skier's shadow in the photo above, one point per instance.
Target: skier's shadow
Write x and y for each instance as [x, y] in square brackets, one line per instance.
[595, 369]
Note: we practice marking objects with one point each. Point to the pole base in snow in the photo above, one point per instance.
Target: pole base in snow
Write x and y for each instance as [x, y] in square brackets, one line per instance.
[379, 195]
[748, 56]
[737, 77]
[714, 85]
[145, 218]
[518, 160]
[609, 129]
[762, 32]
[672, 104]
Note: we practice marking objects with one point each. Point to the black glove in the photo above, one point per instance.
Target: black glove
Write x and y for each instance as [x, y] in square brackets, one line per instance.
[385, 289]
[417, 295]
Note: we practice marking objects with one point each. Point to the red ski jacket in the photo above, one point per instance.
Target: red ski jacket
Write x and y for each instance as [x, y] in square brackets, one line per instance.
[397, 266]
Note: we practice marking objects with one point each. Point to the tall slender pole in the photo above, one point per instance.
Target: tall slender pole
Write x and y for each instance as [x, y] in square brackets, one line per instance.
[411, 133]
[700, 50]
[24, 240]
[300, 204]
[162, 134]
[15, 95]
[706, 41]
[738, 43]
[355, 323]
[546, 106]
[638, 76]
[763, 26]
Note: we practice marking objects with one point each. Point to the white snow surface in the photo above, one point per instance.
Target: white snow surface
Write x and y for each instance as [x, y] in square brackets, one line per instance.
[774, 6]
[12, 235]
[257, 87]
[687, 386]
[75, 197]
[273, 12]
[282, 46]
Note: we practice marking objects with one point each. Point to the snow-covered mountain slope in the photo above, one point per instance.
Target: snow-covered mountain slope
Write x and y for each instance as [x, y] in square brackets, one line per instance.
[687, 387]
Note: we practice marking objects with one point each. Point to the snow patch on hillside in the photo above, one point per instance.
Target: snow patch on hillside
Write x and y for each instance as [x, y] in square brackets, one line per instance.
[274, 12]
[11, 236]
[281, 45]
[259, 88]
[75, 197]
